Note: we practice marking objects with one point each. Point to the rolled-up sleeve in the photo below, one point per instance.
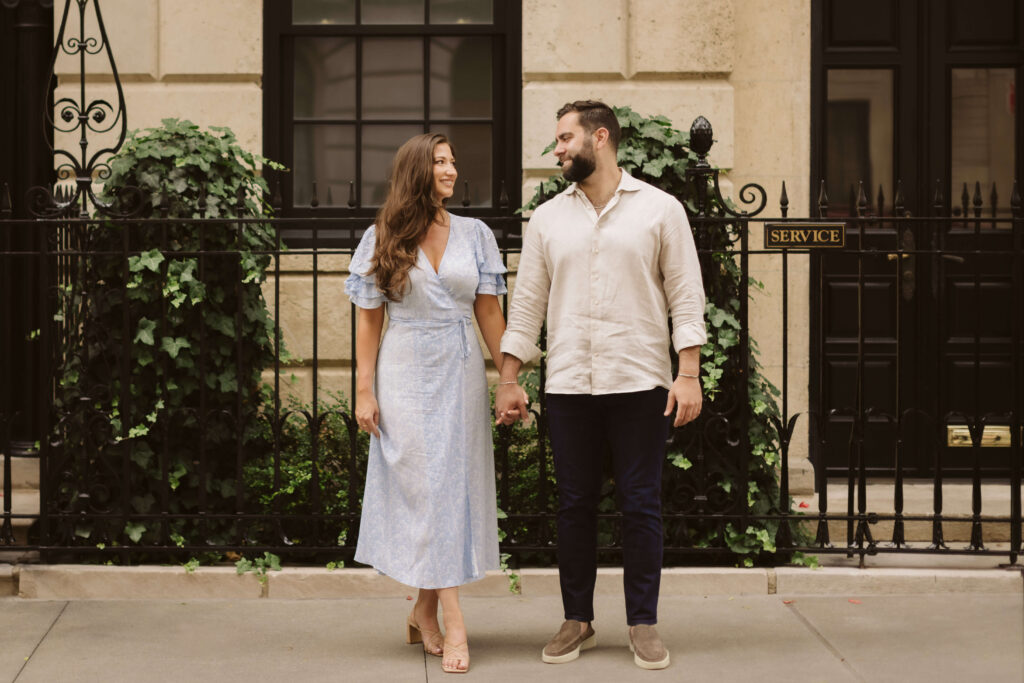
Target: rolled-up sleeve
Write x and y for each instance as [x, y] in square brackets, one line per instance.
[529, 298]
[684, 289]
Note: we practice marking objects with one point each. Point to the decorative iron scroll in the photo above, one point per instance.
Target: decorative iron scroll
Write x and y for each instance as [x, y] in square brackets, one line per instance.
[701, 139]
[97, 116]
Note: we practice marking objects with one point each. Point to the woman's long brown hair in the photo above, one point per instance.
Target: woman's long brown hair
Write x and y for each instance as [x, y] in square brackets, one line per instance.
[408, 211]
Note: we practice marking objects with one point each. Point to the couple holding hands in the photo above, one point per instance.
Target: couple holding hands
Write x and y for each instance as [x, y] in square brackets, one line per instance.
[606, 263]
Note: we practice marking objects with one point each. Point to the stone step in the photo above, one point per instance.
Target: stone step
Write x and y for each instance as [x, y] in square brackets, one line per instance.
[24, 472]
[23, 502]
[917, 501]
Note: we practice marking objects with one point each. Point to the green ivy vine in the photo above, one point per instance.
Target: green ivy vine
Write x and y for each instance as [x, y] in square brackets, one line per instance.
[183, 336]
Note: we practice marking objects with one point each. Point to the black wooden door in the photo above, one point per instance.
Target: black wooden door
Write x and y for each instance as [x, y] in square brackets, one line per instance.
[914, 101]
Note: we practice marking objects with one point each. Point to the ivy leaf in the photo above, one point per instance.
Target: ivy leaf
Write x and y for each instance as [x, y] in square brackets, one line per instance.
[681, 461]
[173, 345]
[144, 332]
[149, 260]
[134, 531]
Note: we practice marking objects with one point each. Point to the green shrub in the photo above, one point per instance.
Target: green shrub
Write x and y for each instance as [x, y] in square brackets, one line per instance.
[163, 348]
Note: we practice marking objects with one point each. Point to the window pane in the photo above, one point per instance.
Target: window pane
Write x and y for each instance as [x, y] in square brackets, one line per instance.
[379, 146]
[461, 11]
[472, 143]
[325, 84]
[460, 77]
[323, 11]
[984, 135]
[859, 137]
[392, 12]
[325, 154]
[393, 78]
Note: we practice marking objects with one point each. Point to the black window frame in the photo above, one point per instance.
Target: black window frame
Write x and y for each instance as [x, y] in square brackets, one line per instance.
[279, 35]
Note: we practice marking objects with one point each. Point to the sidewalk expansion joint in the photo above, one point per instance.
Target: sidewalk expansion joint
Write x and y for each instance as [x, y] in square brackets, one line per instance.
[41, 639]
[824, 641]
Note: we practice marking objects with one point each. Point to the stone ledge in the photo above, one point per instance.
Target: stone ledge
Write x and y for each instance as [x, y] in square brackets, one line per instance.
[893, 581]
[8, 580]
[91, 582]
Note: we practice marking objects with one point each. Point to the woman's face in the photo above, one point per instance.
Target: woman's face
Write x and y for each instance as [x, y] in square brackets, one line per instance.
[444, 171]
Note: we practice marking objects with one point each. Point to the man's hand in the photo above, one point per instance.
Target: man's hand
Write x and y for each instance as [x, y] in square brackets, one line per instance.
[510, 403]
[685, 392]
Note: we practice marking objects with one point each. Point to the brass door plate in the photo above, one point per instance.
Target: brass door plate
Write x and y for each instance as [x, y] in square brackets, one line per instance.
[994, 436]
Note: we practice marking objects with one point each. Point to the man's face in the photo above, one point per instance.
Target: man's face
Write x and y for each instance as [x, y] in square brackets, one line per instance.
[574, 148]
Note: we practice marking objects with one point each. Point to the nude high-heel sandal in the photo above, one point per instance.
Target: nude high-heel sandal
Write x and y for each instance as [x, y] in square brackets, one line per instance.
[461, 651]
[430, 639]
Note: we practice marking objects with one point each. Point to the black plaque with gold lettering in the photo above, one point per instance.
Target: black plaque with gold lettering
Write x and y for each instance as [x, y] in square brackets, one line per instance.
[804, 235]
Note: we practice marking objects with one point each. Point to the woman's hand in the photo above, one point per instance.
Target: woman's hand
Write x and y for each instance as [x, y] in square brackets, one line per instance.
[367, 412]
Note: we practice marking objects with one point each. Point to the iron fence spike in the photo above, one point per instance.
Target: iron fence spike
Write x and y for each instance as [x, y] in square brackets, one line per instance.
[503, 200]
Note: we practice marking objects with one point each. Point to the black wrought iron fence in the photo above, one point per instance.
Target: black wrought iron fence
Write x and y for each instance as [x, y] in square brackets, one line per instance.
[173, 427]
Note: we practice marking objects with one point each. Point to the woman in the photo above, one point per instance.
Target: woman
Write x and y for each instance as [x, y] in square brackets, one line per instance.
[429, 514]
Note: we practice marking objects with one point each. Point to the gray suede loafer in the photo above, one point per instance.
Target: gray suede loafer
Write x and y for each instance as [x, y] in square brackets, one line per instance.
[648, 650]
[568, 643]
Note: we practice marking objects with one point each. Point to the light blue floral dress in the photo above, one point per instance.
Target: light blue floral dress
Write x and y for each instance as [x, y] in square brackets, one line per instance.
[429, 509]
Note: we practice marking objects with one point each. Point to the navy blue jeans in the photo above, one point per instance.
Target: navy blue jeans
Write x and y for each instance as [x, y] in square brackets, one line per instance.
[633, 429]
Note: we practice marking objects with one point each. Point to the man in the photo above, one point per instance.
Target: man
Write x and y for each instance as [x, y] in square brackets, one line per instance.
[607, 260]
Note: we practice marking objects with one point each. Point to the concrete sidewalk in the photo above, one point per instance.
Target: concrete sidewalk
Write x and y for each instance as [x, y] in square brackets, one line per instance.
[927, 637]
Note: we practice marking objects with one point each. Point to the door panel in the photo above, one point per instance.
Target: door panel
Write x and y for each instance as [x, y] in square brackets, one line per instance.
[924, 93]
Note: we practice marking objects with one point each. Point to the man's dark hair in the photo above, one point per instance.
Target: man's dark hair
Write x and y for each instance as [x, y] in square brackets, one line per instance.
[594, 115]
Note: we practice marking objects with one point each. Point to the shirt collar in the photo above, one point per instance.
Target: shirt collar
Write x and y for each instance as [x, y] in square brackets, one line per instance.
[627, 183]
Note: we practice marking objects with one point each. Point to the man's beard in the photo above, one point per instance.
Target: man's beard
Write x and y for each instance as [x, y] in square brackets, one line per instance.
[583, 164]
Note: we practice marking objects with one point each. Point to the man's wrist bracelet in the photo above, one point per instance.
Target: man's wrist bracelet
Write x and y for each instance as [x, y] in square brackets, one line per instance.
[501, 384]
[683, 374]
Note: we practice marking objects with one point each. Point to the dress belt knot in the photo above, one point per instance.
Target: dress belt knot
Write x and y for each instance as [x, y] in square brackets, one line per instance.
[465, 324]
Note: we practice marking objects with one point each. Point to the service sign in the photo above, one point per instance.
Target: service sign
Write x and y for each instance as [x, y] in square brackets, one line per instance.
[804, 235]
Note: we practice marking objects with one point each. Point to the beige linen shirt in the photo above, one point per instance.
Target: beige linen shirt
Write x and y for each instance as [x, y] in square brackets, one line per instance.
[607, 284]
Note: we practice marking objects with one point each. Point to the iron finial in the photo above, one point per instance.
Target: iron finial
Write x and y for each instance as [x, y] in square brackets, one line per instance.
[993, 199]
[314, 201]
[465, 193]
[977, 199]
[503, 200]
[784, 201]
[202, 201]
[897, 205]
[276, 202]
[1015, 200]
[330, 197]
[351, 194]
[822, 200]
[240, 200]
[701, 139]
[862, 199]
[880, 201]
[938, 200]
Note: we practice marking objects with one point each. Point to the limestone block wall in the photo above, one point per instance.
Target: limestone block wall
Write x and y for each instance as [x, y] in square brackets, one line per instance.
[189, 59]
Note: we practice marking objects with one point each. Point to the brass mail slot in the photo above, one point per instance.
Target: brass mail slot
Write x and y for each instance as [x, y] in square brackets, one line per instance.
[994, 436]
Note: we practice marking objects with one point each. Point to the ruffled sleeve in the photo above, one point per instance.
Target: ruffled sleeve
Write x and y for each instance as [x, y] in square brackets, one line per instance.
[361, 286]
[488, 261]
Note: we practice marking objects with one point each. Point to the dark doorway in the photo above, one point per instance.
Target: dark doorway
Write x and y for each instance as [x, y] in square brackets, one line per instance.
[26, 160]
[916, 97]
